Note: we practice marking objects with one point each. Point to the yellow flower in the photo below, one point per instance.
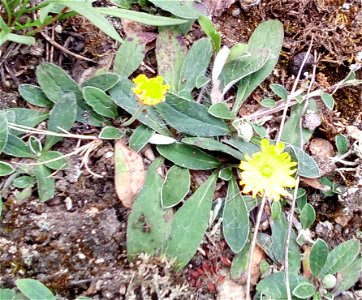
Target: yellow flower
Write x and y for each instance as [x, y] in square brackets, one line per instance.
[268, 171]
[150, 91]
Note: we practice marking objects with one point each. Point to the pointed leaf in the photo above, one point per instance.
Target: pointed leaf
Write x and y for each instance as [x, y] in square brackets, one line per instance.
[190, 224]
[212, 145]
[210, 30]
[342, 143]
[63, 116]
[307, 216]
[34, 289]
[184, 9]
[279, 90]
[102, 81]
[191, 118]
[6, 169]
[34, 95]
[60, 163]
[4, 132]
[176, 186]
[170, 53]
[221, 110]
[110, 133]
[46, 184]
[189, 157]
[129, 56]
[17, 147]
[318, 256]
[148, 225]
[307, 167]
[100, 102]
[236, 225]
[341, 257]
[140, 137]
[328, 100]
[195, 64]
[304, 290]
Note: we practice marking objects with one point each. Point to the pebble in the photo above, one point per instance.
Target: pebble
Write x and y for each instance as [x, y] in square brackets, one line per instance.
[297, 61]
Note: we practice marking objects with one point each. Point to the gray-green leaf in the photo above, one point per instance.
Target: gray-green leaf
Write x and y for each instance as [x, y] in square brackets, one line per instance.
[103, 81]
[100, 102]
[236, 225]
[34, 95]
[46, 184]
[304, 290]
[34, 289]
[307, 216]
[190, 223]
[184, 9]
[318, 256]
[140, 137]
[4, 132]
[187, 156]
[6, 169]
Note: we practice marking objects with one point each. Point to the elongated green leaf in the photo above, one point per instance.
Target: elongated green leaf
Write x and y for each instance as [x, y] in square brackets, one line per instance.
[307, 216]
[125, 98]
[236, 225]
[59, 161]
[21, 39]
[140, 137]
[237, 69]
[129, 56]
[140, 17]
[307, 167]
[55, 83]
[243, 146]
[6, 294]
[4, 132]
[279, 90]
[102, 81]
[93, 15]
[185, 9]
[318, 256]
[34, 289]
[110, 133]
[268, 35]
[210, 30]
[24, 117]
[191, 118]
[189, 157]
[212, 145]
[149, 225]
[175, 187]
[328, 100]
[304, 290]
[274, 287]
[100, 102]
[240, 262]
[341, 257]
[63, 116]
[349, 276]
[34, 95]
[46, 184]
[279, 235]
[6, 169]
[170, 53]
[342, 143]
[17, 147]
[195, 64]
[190, 223]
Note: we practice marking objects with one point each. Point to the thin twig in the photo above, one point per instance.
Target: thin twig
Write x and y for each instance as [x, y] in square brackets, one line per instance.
[55, 44]
[292, 92]
[253, 244]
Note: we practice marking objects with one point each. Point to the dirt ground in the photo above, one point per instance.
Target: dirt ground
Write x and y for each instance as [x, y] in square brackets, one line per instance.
[76, 242]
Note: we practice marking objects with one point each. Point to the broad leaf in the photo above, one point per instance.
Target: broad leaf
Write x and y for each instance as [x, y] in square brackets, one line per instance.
[184, 9]
[191, 118]
[190, 224]
[349, 276]
[318, 256]
[17, 147]
[307, 216]
[189, 157]
[46, 184]
[140, 137]
[212, 145]
[62, 116]
[6, 169]
[341, 257]
[24, 182]
[170, 53]
[267, 35]
[34, 289]
[34, 95]
[307, 167]
[175, 187]
[236, 225]
[100, 102]
[103, 81]
[124, 97]
[342, 143]
[279, 90]
[328, 100]
[110, 133]
[304, 290]
[129, 56]
[210, 30]
[221, 110]
[148, 224]
[195, 64]
[54, 160]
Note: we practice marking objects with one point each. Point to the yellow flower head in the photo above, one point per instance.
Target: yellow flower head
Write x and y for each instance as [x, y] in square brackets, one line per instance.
[150, 91]
[268, 171]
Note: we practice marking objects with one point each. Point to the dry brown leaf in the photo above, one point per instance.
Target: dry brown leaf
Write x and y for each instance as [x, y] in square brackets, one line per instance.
[305, 263]
[322, 151]
[146, 33]
[217, 7]
[315, 183]
[129, 173]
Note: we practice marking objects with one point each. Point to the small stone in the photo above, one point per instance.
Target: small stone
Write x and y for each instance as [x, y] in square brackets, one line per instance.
[236, 12]
[297, 61]
[81, 256]
[68, 203]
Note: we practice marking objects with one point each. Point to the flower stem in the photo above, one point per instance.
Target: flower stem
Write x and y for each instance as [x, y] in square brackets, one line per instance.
[253, 244]
[133, 118]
